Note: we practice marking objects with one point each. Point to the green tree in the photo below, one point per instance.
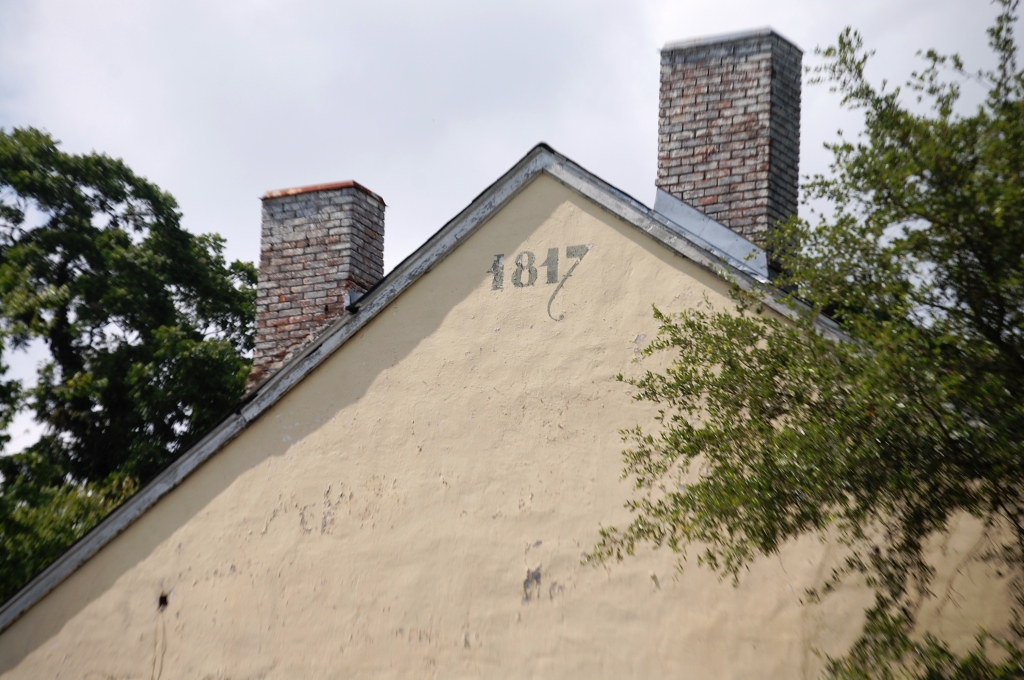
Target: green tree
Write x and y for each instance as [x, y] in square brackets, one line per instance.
[770, 430]
[147, 328]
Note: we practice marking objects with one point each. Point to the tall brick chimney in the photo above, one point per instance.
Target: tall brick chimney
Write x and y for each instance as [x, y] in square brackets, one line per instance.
[729, 128]
[321, 248]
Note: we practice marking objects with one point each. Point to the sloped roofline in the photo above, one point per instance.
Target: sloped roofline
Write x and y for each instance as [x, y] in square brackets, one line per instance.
[542, 159]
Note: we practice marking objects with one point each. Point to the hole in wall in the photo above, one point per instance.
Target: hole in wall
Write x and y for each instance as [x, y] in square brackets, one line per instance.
[161, 603]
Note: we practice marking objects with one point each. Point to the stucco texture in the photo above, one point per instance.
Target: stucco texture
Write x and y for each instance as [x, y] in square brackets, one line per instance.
[418, 506]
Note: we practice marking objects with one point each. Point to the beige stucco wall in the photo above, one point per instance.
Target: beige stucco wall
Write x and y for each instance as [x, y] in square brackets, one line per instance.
[384, 517]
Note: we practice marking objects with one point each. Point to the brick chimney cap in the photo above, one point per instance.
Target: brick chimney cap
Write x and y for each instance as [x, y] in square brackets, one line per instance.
[347, 184]
[704, 41]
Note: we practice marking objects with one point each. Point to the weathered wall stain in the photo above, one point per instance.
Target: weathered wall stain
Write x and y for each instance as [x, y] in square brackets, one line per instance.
[531, 585]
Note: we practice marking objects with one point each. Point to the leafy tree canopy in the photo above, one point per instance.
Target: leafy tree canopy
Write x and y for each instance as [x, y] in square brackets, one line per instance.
[147, 328]
[770, 430]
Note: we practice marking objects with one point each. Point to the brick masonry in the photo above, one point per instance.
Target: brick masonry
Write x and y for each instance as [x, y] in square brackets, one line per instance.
[729, 128]
[319, 246]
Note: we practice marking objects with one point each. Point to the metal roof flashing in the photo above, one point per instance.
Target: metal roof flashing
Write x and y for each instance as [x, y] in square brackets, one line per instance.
[713, 236]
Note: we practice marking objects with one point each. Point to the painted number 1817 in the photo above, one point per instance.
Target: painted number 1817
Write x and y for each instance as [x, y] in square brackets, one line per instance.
[525, 272]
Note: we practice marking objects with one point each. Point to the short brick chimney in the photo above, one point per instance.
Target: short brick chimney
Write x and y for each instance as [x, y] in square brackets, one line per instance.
[322, 247]
[729, 128]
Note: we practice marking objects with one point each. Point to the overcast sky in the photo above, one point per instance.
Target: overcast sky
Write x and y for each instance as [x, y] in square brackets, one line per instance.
[425, 103]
